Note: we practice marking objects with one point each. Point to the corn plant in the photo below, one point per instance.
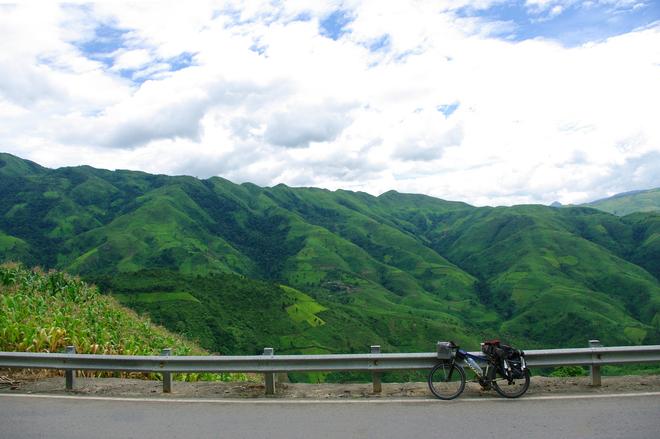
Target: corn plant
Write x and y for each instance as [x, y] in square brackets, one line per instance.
[45, 312]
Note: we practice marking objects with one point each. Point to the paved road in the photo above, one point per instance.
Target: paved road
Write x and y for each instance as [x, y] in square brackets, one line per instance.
[28, 416]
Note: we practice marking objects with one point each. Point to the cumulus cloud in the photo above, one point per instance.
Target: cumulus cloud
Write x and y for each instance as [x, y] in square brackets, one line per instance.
[427, 97]
[25, 84]
[131, 59]
[430, 134]
[298, 126]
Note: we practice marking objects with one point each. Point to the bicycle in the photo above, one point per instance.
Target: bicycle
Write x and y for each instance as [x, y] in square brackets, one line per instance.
[509, 379]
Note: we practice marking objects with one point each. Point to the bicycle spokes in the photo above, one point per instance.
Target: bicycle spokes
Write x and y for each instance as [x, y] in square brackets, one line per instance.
[447, 380]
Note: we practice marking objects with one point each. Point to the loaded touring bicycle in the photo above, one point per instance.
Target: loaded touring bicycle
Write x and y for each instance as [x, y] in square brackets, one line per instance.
[501, 368]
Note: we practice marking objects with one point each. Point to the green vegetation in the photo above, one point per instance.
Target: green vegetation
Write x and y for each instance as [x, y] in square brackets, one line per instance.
[304, 270]
[44, 312]
[235, 315]
[303, 308]
[156, 296]
[629, 202]
[569, 371]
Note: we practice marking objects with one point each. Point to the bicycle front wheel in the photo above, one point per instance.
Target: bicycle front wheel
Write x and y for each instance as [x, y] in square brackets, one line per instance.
[512, 389]
[447, 380]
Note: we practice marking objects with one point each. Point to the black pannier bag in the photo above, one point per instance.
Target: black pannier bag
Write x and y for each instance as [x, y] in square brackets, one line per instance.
[514, 363]
[509, 361]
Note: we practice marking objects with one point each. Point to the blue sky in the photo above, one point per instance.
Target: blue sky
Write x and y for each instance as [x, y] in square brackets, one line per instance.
[108, 41]
[334, 24]
[570, 22]
[105, 40]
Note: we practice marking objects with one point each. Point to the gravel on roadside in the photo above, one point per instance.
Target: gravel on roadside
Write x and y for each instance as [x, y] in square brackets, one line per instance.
[137, 388]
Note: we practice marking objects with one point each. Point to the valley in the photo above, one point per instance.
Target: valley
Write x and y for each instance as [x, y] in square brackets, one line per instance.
[237, 267]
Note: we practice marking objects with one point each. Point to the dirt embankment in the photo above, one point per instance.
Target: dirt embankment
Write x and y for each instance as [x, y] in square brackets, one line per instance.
[116, 387]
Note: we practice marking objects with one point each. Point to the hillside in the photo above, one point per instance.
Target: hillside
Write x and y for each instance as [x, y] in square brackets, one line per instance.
[45, 312]
[629, 202]
[310, 270]
[231, 314]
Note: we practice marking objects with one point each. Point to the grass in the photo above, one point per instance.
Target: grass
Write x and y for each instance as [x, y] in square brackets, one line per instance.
[624, 204]
[155, 296]
[11, 245]
[304, 308]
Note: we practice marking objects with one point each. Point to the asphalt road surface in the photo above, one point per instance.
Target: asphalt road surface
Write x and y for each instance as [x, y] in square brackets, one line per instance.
[602, 416]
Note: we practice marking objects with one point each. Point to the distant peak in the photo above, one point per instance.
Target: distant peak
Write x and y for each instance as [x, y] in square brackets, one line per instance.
[645, 200]
[10, 165]
[393, 195]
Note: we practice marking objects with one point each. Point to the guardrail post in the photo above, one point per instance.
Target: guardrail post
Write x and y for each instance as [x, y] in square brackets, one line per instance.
[167, 376]
[269, 377]
[69, 374]
[595, 368]
[378, 388]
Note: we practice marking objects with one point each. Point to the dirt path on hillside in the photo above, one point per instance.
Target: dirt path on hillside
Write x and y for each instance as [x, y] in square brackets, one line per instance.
[116, 387]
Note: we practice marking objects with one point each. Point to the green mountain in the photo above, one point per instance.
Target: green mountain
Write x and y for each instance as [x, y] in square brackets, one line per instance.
[308, 270]
[629, 202]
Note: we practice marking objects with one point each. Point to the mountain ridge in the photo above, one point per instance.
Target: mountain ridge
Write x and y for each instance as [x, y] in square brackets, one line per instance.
[399, 269]
[625, 203]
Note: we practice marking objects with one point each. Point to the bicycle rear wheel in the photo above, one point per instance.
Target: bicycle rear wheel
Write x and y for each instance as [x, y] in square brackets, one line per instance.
[512, 389]
[447, 380]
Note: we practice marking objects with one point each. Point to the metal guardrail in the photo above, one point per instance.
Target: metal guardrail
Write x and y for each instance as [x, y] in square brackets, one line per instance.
[253, 363]
[593, 356]
[269, 364]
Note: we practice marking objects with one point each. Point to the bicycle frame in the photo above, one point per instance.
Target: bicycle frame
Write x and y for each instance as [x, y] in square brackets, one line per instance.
[483, 376]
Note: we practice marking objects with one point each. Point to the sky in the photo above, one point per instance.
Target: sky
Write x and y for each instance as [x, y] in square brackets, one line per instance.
[491, 102]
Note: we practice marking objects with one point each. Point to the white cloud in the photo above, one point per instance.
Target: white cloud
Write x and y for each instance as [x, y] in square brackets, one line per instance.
[131, 59]
[298, 126]
[267, 98]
